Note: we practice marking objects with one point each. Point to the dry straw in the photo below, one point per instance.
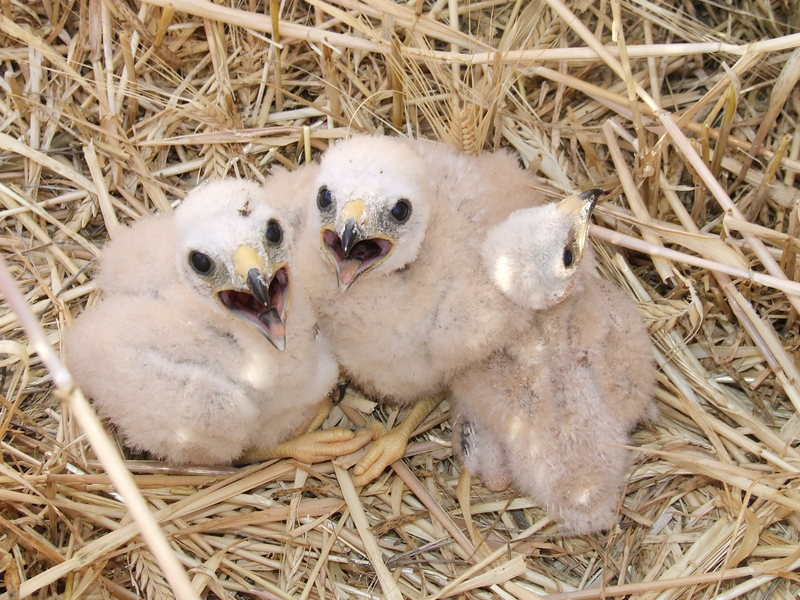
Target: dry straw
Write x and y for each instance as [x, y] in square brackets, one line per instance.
[686, 113]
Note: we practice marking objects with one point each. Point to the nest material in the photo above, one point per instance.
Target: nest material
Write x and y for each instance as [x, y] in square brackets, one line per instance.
[686, 115]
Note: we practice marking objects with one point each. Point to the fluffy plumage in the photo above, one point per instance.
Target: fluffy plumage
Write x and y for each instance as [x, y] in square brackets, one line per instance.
[414, 307]
[533, 255]
[549, 411]
[396, 263]
[179, 354]
[121, 265]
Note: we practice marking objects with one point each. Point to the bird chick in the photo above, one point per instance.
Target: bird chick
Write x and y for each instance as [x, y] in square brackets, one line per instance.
[208, 348]
[550, 411]
[126, 254]
[396, 269]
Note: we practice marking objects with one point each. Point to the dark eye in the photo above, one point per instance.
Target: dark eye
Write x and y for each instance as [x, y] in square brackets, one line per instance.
[568, 257]
[324, 197]
[201, 262]
[274, 232]
[402, 210]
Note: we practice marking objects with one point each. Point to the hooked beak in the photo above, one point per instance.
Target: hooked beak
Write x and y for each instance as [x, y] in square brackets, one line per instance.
[590, 197]
[255, 281]
[579, 208]
[353, 253]
[264, 302]
[350, 236]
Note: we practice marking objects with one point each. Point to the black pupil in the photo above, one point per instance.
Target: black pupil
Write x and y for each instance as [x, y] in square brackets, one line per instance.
[274, 232]
[568, 258]
[201, 262]
[401, 210]
[324, 197]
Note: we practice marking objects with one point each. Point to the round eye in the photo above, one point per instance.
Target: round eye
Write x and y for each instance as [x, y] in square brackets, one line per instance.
[201, 263]
[274, 232]
[568, 257]
[324, 197]
[402, 210]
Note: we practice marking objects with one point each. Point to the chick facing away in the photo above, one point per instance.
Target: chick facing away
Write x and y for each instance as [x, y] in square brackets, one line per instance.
[396, 262]
[209, 348]
[550, 410]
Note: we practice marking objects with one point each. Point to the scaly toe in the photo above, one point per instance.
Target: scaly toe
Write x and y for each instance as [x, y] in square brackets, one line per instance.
[336, 434]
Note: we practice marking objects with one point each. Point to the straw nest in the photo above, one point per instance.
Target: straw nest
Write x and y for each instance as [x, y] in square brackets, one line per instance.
[686, 113]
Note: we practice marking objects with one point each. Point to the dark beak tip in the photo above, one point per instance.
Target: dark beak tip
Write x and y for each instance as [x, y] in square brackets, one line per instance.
[591, 197]
[349, 237]
[257, 286]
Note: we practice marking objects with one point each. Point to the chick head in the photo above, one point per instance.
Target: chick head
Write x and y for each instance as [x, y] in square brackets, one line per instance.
[233, 250]
[373, 202]
[534, 255]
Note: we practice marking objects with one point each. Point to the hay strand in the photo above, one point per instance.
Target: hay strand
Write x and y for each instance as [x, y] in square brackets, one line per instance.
[683, 113]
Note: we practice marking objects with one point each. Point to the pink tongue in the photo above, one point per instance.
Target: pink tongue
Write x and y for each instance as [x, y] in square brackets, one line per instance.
[348, 270]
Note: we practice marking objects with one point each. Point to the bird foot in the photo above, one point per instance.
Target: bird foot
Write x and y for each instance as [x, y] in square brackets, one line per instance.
[386, 449]
[319, 446]
[390, 447]
[323, 410]
[315, 446]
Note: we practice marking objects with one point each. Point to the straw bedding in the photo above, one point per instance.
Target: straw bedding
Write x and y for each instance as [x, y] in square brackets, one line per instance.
[686, 115]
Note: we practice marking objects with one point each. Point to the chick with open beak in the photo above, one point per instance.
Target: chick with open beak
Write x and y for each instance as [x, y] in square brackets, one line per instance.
[252, 282]
[362, 235]
[263, 294]
[175, 356]
[401, 223]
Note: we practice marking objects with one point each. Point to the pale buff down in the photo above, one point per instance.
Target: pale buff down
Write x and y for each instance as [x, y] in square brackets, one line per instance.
[183, 354]
[397, 283]
[549, 412]
[408, 307]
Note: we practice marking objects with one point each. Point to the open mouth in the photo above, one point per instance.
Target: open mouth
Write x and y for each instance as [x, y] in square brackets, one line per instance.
[364, 255]
[269, 317]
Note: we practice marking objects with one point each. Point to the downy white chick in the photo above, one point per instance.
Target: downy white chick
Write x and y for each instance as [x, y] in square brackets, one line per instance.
[204, 345]
[549, 412]
[396, 262]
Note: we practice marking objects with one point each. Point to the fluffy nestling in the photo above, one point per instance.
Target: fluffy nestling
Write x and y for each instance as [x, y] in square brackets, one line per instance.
[204, 345]
[396, 263]
[549, 411]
